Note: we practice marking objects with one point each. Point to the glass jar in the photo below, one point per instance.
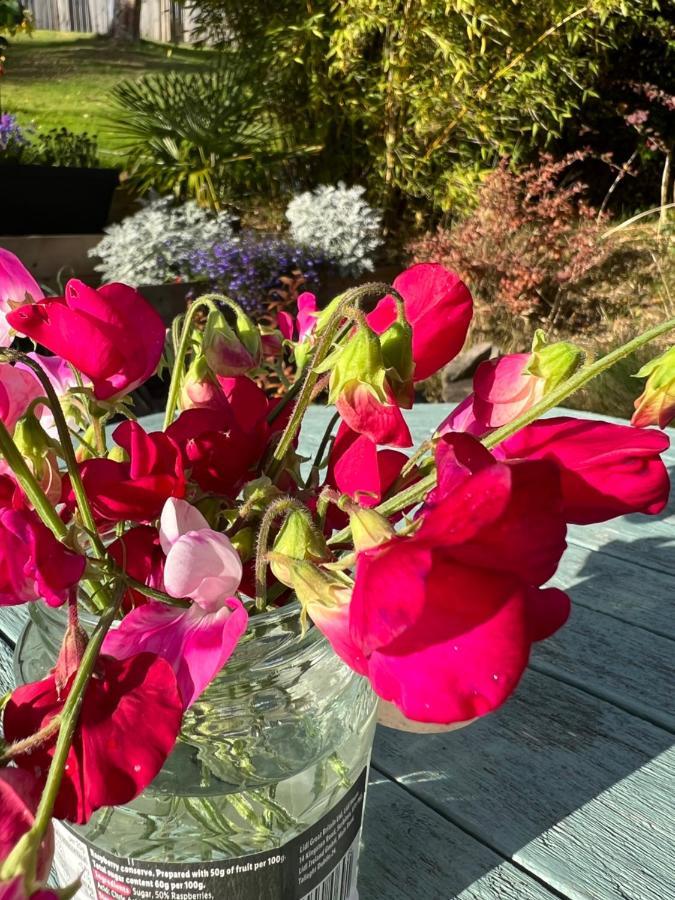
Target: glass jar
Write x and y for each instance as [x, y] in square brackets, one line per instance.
[271, 746]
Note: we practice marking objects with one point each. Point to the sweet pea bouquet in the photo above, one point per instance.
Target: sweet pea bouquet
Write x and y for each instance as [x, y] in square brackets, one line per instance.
[426, 571]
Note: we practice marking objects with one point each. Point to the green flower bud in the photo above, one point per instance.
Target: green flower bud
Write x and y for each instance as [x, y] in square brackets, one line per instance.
[357, 360]
[396, 343]
[554, 363]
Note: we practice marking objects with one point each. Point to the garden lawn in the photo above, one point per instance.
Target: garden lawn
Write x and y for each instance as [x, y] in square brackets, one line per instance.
[56, 79]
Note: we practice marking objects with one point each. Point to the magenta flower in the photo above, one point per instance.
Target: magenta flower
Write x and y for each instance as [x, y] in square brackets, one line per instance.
[502, 391]
[16, 890]
[137, 488]
[112, 335]
[442, 622]
[357, 468]
[362, 412]
[201, 564]
[606, 470]
[17, 286]
[438, 306]
[19, 797]
[33, 564]
[128, 724]
[18, 389]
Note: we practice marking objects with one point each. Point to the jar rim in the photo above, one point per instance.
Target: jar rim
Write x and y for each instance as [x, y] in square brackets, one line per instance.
[269, 617]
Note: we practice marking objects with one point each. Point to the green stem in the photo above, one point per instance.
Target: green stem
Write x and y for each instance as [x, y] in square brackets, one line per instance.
[416, 492]
[328, 433]
[275, 509]
[209, 301]
[69, 718]
[30, 485]
[154, 594]
[577, 381]
[321, 351]
[68, 453]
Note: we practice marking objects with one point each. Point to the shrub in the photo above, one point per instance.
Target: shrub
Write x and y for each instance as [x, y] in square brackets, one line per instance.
[154, 245]
[527, 250]
[207, 136]
[254, 269]
[338, 223]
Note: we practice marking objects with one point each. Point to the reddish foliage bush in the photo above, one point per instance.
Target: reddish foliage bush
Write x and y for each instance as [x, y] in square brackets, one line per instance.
[529, 245]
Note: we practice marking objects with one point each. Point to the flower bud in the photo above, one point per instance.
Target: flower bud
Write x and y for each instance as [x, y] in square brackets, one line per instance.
[554, 363]
[357, 361]
[72, 650]
[199, 384]
[39, 450]
[656, 404]
[298, 539]
[396, 343]
[244, 543]
[311, 584]
[228, 350]
[369, 528]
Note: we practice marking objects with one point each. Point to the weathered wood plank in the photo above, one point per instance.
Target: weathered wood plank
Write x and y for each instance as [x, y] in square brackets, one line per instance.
[578, 792]
[618, 587]
[410, 851]
[645, 540]
[622, 663]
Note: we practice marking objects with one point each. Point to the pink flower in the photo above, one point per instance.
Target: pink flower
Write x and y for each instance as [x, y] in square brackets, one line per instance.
[442, 622]
[136, 489]
[19, 797]
[362, 412]
[62, 379]
[128, 725]
[112, 334]
[438, 306]
[200, 563]
[17, 286]
[16, 890]
[33, 564]
[198, 641]
[606, 470]
[18, 389]
[502, 391]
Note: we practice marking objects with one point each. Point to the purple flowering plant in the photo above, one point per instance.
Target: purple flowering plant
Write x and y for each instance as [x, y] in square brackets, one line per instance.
[249, 266]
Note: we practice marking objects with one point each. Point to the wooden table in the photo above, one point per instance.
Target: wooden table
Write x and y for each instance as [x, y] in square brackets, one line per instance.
[568, 791]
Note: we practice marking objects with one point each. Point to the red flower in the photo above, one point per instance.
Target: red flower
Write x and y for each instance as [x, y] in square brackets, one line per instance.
[33, 564]
[357, 468]
[606, 470]
[383, 423]
[112, 334]
[139, 553]
[133, 490]
[442, 622]
[128, 724]
[221, 443]
[19, 797]
[438, 306]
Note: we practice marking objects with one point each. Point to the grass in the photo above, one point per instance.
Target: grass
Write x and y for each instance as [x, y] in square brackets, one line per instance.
[56, 79]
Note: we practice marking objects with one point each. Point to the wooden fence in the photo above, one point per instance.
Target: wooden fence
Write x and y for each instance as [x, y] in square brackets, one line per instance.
[161, 20]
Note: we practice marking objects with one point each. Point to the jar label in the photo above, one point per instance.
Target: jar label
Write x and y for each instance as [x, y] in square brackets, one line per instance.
[318, 864]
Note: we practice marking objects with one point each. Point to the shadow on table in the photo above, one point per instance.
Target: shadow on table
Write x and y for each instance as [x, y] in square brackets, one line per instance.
[520, 782]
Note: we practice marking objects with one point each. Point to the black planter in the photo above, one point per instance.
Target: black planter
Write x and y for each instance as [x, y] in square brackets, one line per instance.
[170, 300]
[55, 199]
